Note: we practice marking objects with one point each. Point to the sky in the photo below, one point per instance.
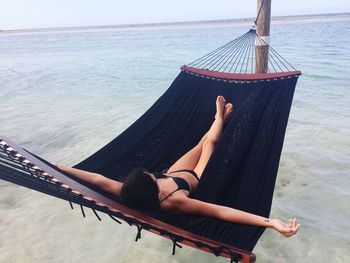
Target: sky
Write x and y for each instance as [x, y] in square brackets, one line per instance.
[23, 14]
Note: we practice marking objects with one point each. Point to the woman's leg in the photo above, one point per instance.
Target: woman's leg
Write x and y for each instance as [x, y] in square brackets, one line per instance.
[213, 137]
[191, 158]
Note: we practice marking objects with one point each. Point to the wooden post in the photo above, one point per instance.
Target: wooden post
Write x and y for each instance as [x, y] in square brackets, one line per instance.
[263, 30]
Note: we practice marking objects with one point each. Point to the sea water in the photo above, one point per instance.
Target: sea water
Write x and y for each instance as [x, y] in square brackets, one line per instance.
[65, 94]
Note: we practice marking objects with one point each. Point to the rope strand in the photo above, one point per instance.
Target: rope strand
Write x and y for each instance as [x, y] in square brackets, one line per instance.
[257, 17]
[240, 56]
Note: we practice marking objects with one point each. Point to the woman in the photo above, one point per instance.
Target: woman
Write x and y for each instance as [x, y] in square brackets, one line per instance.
[170, 192]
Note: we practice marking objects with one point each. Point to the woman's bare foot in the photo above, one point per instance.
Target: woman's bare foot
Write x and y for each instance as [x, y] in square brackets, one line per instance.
[287, 230]
[220, 107]
[228, 110]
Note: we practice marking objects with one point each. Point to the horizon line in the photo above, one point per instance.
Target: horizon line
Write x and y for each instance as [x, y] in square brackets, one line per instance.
[169, 23]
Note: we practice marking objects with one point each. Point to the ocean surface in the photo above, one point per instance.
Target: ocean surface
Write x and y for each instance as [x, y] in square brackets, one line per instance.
[65, 94]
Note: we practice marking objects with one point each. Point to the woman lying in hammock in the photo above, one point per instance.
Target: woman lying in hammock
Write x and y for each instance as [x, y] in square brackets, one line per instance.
[169, 192]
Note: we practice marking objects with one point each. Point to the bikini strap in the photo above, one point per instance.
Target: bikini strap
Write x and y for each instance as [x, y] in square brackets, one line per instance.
[188, 171]
[169, 194]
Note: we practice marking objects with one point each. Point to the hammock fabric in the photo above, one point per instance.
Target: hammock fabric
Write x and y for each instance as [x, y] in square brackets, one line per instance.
[241, 172]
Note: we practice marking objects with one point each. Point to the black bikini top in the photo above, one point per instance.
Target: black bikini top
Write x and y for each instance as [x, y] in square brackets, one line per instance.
[182, 184]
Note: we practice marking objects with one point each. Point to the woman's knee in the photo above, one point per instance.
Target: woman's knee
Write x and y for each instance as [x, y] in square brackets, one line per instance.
[210, 141]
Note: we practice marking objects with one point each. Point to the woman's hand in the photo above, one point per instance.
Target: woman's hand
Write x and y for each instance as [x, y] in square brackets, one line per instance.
[59, 166]
[287, 230]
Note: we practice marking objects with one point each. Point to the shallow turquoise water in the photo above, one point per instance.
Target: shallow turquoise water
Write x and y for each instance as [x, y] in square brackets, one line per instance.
[65, 94]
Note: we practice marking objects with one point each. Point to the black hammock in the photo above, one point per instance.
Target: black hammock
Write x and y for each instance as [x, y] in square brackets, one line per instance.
[241, 172]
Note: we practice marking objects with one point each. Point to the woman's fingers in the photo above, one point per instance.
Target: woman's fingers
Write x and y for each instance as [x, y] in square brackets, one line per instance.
[296, 228]
[287, 229]
[293, 223]
[293, 227]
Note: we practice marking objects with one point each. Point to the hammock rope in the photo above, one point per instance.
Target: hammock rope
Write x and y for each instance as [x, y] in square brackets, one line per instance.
[239, 56]
[258, 15]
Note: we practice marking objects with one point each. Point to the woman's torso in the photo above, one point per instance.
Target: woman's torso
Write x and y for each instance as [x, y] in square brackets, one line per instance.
[175, 185]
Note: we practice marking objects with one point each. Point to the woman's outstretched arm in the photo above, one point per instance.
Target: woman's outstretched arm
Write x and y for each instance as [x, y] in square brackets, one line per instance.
[108, 185]
[197, 207]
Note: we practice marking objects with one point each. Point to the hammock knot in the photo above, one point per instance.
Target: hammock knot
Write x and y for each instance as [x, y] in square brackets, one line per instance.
[138, 235]
[175, 244]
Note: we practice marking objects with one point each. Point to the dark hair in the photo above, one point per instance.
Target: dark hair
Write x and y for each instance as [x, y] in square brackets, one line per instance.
[140, 191]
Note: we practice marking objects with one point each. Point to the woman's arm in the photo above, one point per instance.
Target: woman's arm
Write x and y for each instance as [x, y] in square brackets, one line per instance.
[197, 207]
[109, 185]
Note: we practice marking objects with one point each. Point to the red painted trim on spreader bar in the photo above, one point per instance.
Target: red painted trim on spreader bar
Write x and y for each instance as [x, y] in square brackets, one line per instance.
[237, 76]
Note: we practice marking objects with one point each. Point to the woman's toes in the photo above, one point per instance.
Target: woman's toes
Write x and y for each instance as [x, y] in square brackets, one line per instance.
[220, 105]
[220, 100]
[229, 107]
[228, 110]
